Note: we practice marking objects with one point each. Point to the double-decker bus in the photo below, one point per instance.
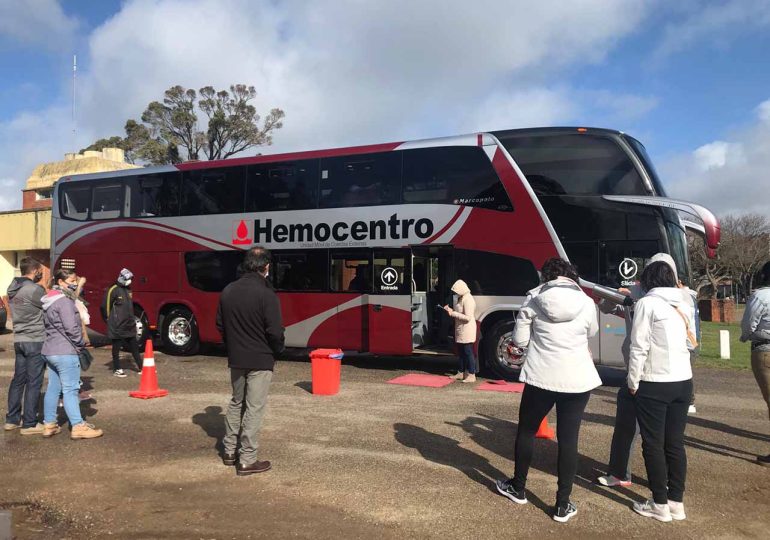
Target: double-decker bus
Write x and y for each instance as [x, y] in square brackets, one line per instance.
[368, 240]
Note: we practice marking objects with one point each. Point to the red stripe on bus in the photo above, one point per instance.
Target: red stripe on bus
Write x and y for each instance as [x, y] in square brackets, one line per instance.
[291, 156]
[445, 227]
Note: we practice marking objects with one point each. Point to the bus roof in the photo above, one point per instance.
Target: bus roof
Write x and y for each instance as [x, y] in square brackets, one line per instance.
[333, 152]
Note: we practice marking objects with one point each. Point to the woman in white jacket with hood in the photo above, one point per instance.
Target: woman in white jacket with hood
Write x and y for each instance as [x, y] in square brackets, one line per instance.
[660, 379]
[554, 325]
[464, 315]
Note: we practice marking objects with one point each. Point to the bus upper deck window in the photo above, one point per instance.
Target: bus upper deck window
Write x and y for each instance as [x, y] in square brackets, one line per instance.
[76, 202]
[107, 202]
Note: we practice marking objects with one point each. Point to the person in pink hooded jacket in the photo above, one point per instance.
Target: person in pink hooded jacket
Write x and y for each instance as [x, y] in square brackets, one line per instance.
[464, 315]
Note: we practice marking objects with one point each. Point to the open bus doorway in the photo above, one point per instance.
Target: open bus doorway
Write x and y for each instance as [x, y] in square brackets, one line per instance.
[432, 278]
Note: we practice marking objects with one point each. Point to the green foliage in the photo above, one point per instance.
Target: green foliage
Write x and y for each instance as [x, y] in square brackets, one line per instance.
[168, 131]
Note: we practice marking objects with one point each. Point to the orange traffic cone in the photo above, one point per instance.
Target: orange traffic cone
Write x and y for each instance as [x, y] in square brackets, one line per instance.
[545, 431]
[148, 386]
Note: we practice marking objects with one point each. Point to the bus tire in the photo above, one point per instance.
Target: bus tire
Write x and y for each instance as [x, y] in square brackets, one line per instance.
[143, 332]
[180, 332]
[494, 351]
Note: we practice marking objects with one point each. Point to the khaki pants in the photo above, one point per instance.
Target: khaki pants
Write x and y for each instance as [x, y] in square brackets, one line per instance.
[760, 365]
[245, 412]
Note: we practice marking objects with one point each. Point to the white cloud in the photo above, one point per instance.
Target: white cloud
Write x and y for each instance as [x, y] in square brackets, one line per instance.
[763, 111]
[347, 72]
[713, 23]
[37, 23]
[726, 176]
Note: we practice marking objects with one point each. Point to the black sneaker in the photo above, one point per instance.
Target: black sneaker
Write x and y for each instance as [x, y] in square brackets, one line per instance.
[564, 512]
[506, 489]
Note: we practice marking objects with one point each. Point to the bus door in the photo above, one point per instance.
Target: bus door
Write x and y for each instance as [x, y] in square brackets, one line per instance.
[431, 281]
[390, 329]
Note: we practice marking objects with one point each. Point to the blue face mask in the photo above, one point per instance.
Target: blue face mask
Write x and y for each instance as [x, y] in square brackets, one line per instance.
[72, 286]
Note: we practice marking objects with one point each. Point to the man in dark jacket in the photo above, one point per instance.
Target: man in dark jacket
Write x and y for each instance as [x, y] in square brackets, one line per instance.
[249, 319]
[26, 297]
[118, 312]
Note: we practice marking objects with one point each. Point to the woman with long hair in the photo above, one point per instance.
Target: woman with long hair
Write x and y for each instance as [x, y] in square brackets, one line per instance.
[63, 343]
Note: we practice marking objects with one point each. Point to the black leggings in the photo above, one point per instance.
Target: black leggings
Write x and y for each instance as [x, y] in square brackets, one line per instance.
[133, 346]
[535, 405]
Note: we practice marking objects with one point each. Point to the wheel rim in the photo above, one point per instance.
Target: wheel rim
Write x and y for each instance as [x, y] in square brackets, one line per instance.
[180, 331]
[503, 352]
[139, 326]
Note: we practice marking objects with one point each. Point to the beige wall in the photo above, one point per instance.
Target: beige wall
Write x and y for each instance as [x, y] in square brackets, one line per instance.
[25, 230]
[8, 269]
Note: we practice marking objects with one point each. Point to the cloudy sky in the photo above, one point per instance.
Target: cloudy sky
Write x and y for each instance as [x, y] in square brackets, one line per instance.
[690, 79]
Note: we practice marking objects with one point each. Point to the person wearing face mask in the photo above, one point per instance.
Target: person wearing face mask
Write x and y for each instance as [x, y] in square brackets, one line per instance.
[249, 319]
[118, 312]
[26, 298]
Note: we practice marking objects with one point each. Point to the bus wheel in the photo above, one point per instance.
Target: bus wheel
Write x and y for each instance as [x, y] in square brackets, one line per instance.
[180, 332]
[496, 348]
[142, 327]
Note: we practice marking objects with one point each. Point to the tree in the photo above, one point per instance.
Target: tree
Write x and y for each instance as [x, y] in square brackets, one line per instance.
[707, 274]
[168, 131]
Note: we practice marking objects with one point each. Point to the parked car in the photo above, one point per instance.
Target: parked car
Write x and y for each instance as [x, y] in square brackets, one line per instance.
[3, 316]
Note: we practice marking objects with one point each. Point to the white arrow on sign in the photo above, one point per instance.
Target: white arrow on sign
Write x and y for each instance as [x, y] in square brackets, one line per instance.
[628, 268]
[389, 276]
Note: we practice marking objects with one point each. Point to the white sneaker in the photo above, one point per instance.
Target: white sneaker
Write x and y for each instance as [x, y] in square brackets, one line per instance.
[653, 510]
[471, 378]
[459, 376]
[120, 373]
[613, 481]
[691, 409]
[677, 510]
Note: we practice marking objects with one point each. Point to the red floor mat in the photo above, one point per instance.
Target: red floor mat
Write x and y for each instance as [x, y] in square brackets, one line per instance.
[501, 386]
[417, 379]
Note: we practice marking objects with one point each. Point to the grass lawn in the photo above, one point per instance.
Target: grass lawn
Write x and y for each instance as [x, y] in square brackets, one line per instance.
[740, 353]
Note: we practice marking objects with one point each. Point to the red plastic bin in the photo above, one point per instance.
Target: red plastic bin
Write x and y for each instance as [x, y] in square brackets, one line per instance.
[325, 367]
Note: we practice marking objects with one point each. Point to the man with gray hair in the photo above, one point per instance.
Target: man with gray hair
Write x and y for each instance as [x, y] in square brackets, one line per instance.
[249, 319]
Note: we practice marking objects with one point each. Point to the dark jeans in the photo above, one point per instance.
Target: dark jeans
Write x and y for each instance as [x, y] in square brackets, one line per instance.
[535, 404]
[623, 436]
[26, 383]
[661, 408]
[133, 346]
[467, 360]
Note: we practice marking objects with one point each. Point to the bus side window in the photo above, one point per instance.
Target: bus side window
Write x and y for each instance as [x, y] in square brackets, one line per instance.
[107, 201]
[351, 272]
[361, 180]
[213, 191]
[282, 186]
[155, 195]
[305, 271]
[75, 201]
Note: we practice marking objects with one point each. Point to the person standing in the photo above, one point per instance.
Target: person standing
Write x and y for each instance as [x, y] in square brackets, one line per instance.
[554, 325]
[660, 379]
[61, 349]
[755, 327]
[464, 315]
[118, 312]
[249, 319]
[25, 298]
[626, 427]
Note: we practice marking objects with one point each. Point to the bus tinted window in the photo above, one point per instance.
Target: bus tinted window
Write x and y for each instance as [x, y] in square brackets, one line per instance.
[212, 271]
[575, 164]
[75, 201]
[107, 201]
[282, 186]
[351, 272]
[454, 175]
[300, 271]
[213, 191]
[154, 195]
[494, 274]
[361, 180]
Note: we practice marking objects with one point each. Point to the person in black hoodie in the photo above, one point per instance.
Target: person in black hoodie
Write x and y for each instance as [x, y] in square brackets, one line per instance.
[249, 319]
[118, 312]
[26, 296]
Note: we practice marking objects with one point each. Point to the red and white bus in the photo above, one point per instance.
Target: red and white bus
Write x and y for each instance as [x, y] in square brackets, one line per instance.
[367, 240]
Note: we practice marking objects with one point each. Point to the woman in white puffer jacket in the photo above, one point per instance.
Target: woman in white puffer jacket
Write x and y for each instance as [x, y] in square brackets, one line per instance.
[554, 324]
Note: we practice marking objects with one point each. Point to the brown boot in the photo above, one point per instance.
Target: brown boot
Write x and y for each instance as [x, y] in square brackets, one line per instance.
[256, 467]
[49, 430]
[85, 431]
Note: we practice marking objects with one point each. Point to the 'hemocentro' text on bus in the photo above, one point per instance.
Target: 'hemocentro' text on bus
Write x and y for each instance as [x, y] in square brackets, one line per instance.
[368, 240]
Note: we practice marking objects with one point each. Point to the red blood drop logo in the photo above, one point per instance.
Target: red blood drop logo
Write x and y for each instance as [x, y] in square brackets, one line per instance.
[242, 230]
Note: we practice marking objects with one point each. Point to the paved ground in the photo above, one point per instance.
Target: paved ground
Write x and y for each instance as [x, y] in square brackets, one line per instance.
[377, 459]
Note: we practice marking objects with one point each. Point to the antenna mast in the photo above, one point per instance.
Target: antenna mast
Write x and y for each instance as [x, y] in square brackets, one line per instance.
[74, 124]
